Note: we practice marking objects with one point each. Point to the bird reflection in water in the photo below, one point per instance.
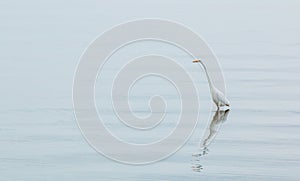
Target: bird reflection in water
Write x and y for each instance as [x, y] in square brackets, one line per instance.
[218, 119]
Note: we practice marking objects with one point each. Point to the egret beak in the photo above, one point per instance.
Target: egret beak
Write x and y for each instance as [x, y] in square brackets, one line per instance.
[196, 61]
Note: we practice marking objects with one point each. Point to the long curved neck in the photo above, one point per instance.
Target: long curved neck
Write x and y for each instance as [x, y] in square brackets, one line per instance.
[208, 78]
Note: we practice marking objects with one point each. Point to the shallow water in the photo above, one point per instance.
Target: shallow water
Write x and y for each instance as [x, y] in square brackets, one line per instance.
[258, 49]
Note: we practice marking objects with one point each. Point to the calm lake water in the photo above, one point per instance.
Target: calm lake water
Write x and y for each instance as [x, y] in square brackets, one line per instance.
[257, 44]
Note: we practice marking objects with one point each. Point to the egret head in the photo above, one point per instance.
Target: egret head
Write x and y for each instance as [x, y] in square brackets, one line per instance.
[196, 61]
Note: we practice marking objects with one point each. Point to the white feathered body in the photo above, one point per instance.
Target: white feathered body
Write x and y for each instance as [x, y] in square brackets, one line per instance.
[219, 98]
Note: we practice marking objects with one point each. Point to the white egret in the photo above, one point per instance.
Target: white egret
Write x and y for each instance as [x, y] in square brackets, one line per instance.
[218, 97]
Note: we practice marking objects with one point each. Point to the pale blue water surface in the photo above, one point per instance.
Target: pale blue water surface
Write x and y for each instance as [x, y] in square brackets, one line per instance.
[257, 43]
